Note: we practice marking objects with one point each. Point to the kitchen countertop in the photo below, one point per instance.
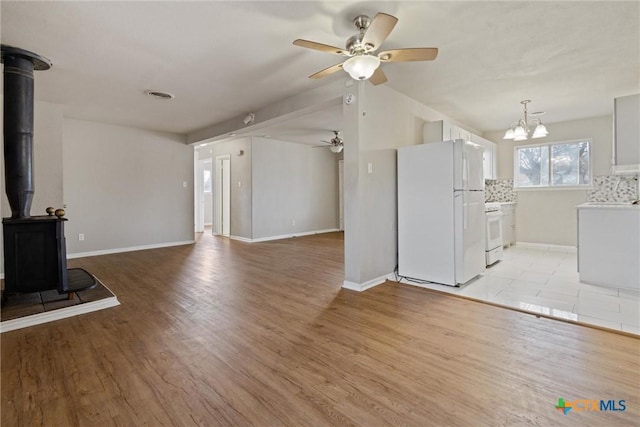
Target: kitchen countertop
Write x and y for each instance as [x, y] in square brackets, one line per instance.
[608, 205]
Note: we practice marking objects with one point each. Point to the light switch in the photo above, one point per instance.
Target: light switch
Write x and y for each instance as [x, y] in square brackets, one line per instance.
[369, 167]
[239, 183]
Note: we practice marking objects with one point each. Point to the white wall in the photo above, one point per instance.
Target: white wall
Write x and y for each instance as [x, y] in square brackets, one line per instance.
[281, 181]
[123, 187]
[292, 182]
[549, 216]
[374, 126]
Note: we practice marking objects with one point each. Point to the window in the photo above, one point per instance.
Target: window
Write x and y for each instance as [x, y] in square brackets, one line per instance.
[553, 165]
[207, 181]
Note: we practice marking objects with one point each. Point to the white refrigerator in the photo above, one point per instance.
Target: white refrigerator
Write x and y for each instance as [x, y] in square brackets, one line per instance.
[441, 218]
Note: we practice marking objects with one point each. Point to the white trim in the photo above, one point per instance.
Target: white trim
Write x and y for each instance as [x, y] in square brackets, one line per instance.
[544, 246]
[1, 275]
[359, 287]
[625, 169]
[241, 239]
[63, 313]
[283, 236]
[129, 249]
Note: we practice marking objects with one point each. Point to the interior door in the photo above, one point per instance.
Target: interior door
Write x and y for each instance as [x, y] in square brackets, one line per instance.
[199, 197]
[226, 197]
[222, 196]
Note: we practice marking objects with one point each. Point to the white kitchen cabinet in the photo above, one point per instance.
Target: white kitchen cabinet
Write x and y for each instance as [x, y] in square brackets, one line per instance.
[489, 156]
[459, 133]
[440, 130]
[626, 134]
[443, 130]
[609, 245]
[508, 224]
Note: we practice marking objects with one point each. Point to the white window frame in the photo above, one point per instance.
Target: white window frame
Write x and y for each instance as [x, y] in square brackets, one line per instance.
[550, 186]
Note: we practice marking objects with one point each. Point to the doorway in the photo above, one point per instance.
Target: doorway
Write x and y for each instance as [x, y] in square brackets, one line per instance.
[203, 194]
[222, 219]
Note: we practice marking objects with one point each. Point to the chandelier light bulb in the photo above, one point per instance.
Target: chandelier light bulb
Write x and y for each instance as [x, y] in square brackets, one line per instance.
[519, 134]
[509, 134]
[540, 132]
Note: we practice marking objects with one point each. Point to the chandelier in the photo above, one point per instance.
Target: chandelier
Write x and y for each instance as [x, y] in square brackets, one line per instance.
[519, 131]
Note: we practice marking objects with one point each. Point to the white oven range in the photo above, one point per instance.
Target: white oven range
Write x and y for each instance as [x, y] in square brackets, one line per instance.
[493, 247]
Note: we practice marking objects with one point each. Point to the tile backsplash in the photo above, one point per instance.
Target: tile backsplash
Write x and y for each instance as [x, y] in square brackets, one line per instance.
[499, 190]
[614, 188]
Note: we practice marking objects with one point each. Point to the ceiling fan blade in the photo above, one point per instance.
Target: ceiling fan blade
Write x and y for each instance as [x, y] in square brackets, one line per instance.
[409, 55]
[321, 146]
[326, 71]
[378, 77]
[379, 29]
[320, 46]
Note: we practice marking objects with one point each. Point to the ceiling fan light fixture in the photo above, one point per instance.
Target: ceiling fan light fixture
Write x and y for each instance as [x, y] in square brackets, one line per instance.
[336, 148]
[361, 67]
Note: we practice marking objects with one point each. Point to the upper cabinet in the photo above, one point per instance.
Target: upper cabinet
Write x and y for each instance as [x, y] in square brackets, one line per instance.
[443, 130]
[626, 134]
[438, 131]
[489, 158]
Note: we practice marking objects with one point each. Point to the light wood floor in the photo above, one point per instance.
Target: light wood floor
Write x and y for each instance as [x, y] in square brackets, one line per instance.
[231, 333]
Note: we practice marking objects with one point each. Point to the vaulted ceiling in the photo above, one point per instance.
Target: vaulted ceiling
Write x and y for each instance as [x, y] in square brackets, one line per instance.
[225, 59]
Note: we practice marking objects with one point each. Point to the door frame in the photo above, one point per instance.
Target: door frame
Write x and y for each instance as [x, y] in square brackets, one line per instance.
[341, 195]
[221, 187]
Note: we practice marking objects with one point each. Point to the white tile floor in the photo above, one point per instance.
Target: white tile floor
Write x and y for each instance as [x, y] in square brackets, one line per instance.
[544, 280]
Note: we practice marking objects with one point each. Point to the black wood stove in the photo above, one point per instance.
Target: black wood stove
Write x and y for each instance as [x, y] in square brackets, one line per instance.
[34, 246]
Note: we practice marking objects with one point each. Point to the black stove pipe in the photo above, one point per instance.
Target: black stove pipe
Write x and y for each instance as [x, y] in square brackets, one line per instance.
[19, 65]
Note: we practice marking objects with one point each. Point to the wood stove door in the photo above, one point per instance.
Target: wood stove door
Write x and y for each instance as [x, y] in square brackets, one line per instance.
[35, 255]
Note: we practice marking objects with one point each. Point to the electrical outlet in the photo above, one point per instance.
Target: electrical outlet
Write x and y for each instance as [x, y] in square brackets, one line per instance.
[81, 236]
[369, 167]
[293, 223]
[184, 184]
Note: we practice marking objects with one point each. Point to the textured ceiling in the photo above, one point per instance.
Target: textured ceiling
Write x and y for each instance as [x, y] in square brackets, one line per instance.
[225, 59]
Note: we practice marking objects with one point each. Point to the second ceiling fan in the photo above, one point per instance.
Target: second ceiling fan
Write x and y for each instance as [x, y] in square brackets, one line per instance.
[363, 64]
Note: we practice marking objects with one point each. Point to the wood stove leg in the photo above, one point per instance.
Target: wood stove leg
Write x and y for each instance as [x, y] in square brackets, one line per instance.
[70, 295]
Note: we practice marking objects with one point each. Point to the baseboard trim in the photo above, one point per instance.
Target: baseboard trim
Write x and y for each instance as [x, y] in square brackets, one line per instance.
[241, 239]
[63, 313]
[359, 287]
[544, 246]
[129, 249]
[283, 236]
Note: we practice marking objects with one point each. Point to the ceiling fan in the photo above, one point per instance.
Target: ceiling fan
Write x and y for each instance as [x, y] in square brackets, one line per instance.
[336, 144]
[362, 63]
